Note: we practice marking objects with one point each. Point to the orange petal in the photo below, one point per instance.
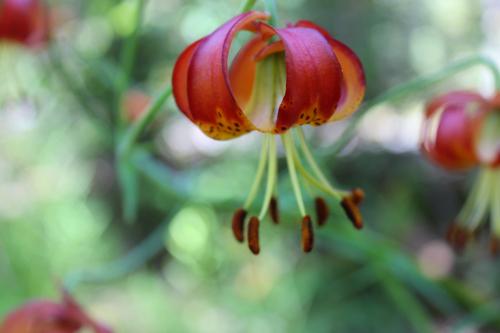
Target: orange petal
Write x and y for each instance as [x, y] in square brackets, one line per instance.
[242, 73]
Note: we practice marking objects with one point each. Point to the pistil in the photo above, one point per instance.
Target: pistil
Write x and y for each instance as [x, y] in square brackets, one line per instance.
[239, 216]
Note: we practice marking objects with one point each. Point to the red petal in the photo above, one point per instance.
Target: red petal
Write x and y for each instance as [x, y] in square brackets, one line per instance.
[48, 316]
[180, 78]
[354, 83]
[212, 104]
[451, 129]
[313, 78]
[24, 22]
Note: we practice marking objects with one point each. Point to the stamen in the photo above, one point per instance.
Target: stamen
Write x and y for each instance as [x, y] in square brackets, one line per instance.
[238, 224]
[313, 181]
[314, 165]
[288, 144]
[307, 234]
[274, 210]
[272, 172]
[458, 236]
[259, 174]
[476, 206]
[358, 195]
[350, 205]
[253, 235]
[495, 206]
[322, 210]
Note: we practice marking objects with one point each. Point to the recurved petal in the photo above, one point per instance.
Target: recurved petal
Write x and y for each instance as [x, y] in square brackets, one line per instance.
[354, 82]
[451, 129]
[212, 104]
[313, 77]
[180, 78]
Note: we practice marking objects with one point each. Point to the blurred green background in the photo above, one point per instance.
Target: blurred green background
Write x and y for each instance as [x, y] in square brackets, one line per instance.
[69, 208]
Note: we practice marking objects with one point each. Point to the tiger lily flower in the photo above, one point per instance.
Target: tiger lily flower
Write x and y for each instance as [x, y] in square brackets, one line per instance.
[281, 79]
[46, 316]
[461, 131]
[24, 22]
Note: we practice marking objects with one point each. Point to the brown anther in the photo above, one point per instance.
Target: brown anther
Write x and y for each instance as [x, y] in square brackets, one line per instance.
[238, 224]
[253, 235]
[351, 209]
[494, 246]
[322, 210]
[307, 234]
[458, 237]
[357, 195]
[450, 233]
[274, 210]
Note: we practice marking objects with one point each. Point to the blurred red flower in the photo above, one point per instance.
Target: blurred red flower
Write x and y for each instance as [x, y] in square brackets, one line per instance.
[135, 102]
[24, 21]
[461, 130]
[46, 316]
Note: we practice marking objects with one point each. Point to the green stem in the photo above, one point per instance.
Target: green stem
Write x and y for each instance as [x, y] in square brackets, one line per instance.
[145, 120]
[287, 143]
[121, 267]
[412, 86]
[259, 174]
[406, 302]
[273, 10]
[128, 58]
[247, 5]
[57, 66]
[271, 176]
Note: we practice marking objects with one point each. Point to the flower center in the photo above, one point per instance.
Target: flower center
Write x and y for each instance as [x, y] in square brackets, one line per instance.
[268, 91]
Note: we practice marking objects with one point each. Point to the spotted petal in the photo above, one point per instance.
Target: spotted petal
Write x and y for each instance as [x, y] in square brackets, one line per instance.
[201, 81]
[354, 83]
[313, 78]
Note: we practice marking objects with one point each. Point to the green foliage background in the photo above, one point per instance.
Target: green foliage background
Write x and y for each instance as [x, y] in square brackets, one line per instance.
[67, 204]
